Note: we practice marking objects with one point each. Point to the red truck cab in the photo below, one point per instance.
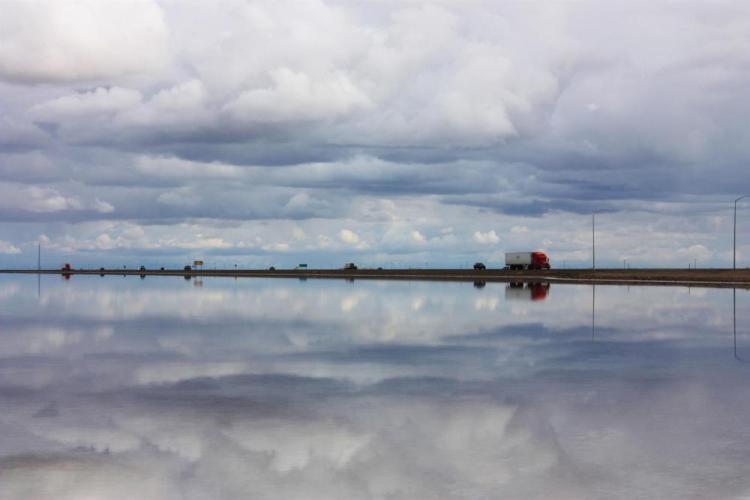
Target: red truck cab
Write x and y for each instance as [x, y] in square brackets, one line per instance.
[539, 260]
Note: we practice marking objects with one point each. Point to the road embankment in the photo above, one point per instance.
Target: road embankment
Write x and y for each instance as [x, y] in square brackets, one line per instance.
[730, 278]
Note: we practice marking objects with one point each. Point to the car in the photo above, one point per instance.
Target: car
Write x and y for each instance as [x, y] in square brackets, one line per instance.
[479, 266]
[350, 266]
[187, 268]
[143, 268]
[271, 268]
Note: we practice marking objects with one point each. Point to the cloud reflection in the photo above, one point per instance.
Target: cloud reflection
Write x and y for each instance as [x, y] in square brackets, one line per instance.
[268, 389]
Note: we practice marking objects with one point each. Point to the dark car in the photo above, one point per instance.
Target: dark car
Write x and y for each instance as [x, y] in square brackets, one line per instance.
[143, 268]
[479, 266]
[187, 268]
[271, 268]
[350, 266]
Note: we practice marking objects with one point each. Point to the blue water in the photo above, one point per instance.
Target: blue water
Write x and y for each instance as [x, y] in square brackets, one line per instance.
[165, 388]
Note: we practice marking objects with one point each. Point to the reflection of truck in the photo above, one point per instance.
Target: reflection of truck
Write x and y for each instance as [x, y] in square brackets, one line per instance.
[526, 260]
[527, 291]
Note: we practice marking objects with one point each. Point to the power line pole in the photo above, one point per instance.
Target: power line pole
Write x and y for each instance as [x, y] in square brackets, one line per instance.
[734, 240]
[39, 257]
[593, 243]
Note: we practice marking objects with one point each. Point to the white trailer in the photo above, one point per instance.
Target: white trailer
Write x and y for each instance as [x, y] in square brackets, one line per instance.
[520, 259]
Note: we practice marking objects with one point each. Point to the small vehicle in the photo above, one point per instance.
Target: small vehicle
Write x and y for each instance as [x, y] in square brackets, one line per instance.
[66, 267]
[271, 268]
[479, 266]
[350, 266]
[143, 268]
[187, 268]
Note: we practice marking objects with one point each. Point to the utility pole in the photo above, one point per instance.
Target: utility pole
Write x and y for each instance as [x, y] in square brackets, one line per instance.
[593, 243]
[734, 240]
[39, 257]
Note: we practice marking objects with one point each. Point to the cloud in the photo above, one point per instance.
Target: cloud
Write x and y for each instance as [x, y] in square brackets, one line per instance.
[422, 115]
[42, 200]
[18, 133]
[35, 204]
[348, 236]
[88, 40]
[98, 102]
[8, 249]
[171, 168]
[296, 96]
[488, 238]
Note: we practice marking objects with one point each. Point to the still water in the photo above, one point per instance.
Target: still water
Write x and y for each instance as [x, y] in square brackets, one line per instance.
[164, 388]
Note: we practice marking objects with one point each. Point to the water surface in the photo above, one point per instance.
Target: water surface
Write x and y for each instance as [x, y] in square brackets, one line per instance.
[164, 388]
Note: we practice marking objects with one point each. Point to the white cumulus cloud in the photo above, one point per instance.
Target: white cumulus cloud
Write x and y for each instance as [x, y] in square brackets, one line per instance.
[50, 41]
[348, 236]
[8, 248]
[490, 237]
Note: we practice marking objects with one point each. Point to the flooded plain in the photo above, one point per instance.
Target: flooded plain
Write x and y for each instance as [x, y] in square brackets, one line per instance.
[164, 388]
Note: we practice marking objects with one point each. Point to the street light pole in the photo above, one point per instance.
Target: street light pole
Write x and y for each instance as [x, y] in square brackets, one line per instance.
[593, 244]
[734, 240]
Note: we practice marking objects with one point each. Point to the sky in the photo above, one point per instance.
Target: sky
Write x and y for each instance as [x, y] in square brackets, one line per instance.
[407, 133]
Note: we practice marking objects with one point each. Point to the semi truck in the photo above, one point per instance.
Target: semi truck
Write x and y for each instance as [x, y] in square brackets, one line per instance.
[526, 260]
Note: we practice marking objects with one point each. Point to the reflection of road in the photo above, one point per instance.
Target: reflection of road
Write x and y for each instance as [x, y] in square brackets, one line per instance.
[526, 291]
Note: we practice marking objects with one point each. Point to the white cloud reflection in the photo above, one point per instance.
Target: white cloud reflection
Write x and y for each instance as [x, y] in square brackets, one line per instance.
[113, 388]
